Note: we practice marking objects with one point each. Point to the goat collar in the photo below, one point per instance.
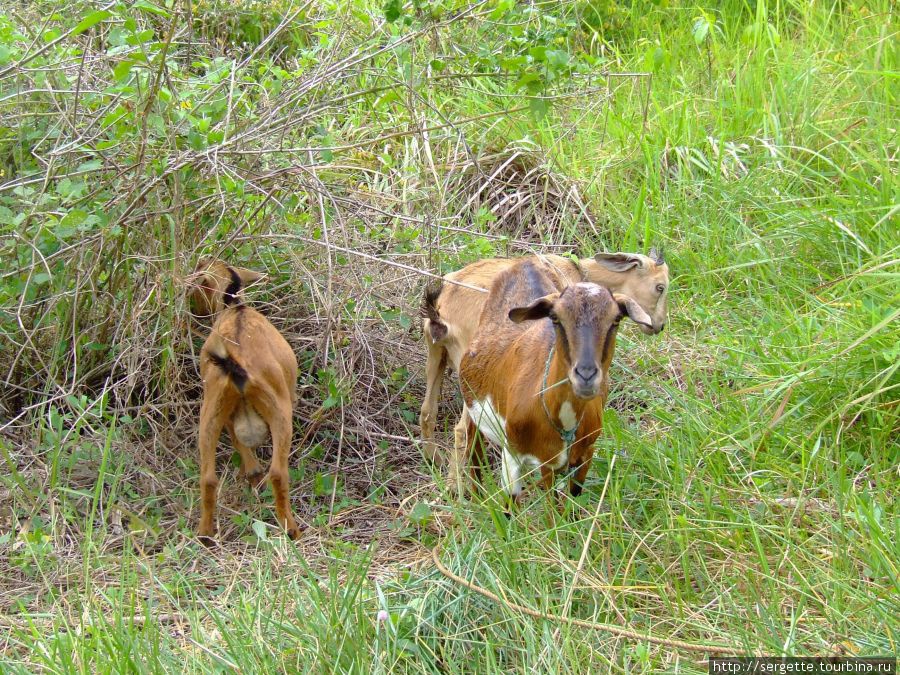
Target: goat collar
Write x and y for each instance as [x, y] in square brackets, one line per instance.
[567, 436]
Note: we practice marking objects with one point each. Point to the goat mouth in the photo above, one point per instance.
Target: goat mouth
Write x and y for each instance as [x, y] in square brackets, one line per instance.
[585, 390]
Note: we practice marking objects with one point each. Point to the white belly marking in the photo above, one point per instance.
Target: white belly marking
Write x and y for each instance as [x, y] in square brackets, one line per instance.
[489, 422]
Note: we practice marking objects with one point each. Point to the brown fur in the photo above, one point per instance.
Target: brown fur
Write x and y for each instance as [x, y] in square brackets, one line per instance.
[249, 373]
[459, 309]
[506, 361]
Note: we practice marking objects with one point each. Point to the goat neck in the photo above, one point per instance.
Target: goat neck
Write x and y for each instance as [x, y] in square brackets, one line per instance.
[563, 409]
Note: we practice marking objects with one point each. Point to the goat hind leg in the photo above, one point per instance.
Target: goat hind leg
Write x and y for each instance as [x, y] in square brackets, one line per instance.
[279, 421]
[435, 366]
[214, 410]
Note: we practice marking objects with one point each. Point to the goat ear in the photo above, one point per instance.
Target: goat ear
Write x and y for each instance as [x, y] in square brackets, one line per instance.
[618, 262]
[248, 276]
[629, 307]
[539, 309]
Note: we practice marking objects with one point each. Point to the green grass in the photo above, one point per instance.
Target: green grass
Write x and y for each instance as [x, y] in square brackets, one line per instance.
[749, 461]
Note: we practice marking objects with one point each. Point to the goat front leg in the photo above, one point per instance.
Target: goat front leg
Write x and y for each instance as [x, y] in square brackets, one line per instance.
[581, 463]
[214, 410]
[473, 450]
[459, 458]
[279, 421]
[462, 439]
[511, 476]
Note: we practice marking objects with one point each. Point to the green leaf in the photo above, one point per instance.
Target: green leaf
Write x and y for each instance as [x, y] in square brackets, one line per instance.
[117, 36]
[530, 81]
[140, 38]
[324, 484]
[503, 6]
[539, 107]
[558, 58]
[538, 53]
[90, 165]
[91, 20]
[261, 530]
[393, 10]
[701, 29]
[73, 218]
[420, 514]
[70, 189]
[146, 6]
[512, 63]
[387, 97]
[123, 70]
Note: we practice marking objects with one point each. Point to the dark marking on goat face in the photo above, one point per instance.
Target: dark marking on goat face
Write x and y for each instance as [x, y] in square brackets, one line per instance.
[609, 341]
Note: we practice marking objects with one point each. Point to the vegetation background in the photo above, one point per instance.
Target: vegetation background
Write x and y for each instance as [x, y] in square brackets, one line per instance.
[745, 490]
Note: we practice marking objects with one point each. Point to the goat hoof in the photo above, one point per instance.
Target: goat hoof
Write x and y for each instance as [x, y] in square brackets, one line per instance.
[293, 530]
[256, 478]
[207, 540]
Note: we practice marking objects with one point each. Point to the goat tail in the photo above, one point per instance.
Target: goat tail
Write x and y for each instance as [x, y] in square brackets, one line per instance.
[436, 326]
[234, 370]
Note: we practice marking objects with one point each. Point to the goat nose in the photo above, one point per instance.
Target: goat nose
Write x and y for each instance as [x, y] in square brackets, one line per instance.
[586, 372]
[662, 327]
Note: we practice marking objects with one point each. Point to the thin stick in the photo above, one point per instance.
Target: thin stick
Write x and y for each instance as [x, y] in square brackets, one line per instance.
[349, 251]
[552, 386]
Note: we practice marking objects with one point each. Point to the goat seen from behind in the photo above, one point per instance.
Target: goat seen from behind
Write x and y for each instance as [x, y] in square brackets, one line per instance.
[249, 373]
[535, 379]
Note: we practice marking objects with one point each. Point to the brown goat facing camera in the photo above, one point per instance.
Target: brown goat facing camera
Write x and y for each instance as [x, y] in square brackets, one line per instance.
[451, 313]
[249, 373]
[536, 376]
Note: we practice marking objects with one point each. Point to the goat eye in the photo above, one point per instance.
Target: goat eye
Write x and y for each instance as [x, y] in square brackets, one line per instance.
[660, 288]
[553, 317]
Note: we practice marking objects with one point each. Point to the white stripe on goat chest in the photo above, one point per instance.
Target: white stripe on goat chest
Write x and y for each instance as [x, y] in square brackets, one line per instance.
[567, 416]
